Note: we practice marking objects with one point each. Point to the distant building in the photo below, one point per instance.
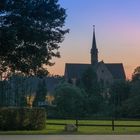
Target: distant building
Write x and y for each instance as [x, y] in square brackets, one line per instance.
[106, 72]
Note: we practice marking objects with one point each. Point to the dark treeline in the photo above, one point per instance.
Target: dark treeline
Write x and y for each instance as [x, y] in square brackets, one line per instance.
[90, 99]
[22, 91]
[87, 98]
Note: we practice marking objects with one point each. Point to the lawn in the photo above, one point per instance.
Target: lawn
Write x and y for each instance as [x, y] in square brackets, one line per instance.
[59, 129]
[97, 129]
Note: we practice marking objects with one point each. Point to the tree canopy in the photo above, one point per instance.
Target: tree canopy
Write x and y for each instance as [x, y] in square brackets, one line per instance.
[69, 100]
[136, 74]
[30, 33]
[119, 92]
[89, 82]
[131, 108]
[135, 82]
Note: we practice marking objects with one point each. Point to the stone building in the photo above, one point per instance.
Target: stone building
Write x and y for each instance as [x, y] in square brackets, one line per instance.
[106, 72]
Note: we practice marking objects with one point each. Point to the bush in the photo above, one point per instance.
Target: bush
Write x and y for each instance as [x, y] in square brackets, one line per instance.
[22, 118]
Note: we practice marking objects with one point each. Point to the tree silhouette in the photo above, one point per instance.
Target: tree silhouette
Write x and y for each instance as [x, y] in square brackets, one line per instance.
[89, 82]
[40, 93]
[30, 33]
[136, 74]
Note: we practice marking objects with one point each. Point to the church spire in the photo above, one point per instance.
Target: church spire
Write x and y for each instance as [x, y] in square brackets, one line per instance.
[94, 50]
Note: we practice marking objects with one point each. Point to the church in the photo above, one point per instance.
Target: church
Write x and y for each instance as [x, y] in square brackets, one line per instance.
[106, 72]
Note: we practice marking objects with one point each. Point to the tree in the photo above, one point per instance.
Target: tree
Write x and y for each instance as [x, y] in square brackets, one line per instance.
[41, 93]
[69, 101]
[136, 74]
[2, 93]
[90, 84]
[23, 101]
[131, 108]
[30, 33]
[89, 81]
[135, 82]
[119, 92]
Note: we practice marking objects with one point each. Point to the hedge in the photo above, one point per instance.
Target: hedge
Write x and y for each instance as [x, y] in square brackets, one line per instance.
[22, 118]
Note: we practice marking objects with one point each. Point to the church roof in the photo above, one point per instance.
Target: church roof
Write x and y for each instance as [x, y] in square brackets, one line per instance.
[117, 70]
[75, 70]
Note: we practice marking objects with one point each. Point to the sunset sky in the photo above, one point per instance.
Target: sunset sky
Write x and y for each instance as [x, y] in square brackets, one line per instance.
[117, 33]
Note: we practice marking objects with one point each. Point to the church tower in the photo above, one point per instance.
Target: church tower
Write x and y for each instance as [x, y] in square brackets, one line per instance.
[94, 50]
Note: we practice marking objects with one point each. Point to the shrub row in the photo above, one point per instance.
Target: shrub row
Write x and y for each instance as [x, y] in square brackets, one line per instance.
[22, 118]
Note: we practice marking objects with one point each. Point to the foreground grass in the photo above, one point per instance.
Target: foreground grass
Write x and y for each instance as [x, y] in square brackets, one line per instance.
[53, 129]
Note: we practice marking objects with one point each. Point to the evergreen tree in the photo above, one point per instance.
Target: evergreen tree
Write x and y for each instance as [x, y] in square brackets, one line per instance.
[90, 84]
[40, 93]
[23, 101]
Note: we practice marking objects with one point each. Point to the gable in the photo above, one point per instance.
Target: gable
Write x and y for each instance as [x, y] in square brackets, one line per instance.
[103, 73]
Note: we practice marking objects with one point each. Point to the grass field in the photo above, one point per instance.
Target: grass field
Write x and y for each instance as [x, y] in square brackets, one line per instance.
[59, 129]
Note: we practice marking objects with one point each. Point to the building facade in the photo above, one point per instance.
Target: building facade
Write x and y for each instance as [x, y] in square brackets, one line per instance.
[106, 72]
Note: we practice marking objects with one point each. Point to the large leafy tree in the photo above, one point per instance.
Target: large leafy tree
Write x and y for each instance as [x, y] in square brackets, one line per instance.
[30, 33]
[69, 101]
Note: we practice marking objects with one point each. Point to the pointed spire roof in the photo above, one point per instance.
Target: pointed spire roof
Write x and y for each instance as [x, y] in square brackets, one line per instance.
[94, 47]
[94, 50]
